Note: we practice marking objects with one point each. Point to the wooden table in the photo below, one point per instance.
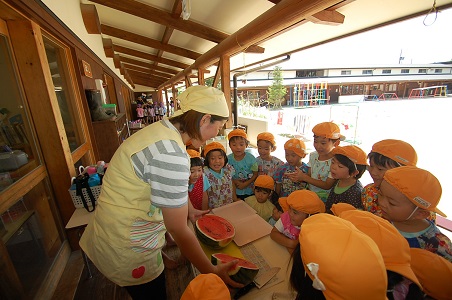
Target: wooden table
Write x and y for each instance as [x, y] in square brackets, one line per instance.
[273, 253]
[78, 221]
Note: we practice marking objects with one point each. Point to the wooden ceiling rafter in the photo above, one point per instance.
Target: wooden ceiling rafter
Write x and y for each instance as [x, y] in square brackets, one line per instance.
[172, 20]
[147, 65]
[284, 14]
[145, 41]
[151, 57]
[164, 18]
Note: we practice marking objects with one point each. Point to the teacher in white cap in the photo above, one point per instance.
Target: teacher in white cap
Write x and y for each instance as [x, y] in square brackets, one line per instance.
[145, 193]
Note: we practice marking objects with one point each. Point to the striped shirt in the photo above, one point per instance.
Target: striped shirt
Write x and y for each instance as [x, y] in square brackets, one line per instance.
[166, 167]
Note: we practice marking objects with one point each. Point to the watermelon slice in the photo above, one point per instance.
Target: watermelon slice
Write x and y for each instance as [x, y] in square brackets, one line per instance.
[214, 231]
[243, 272]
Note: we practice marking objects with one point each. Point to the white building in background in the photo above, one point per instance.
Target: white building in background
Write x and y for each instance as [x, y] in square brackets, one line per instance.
[316, 86]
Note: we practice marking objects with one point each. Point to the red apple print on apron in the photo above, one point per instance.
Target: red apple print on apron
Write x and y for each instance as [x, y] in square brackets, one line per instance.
[138, 272]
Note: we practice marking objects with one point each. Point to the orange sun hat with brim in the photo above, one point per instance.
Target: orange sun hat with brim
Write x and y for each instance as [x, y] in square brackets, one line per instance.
[343, 262]
[397, 150]
[352, 152]
[203, 99]
[237, 132]
[328, 130]
[434, 272]
[296, 146]
[338, 208]
[303, 200]
[193, 153]
[206, 287]
[213, 146]
[283, 202]
[267, 136]
[393, 246]
[420, 186]
[265, 181]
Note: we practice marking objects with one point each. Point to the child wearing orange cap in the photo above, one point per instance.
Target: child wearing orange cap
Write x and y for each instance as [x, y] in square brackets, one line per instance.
[407, 196]
[295, 150]
[219, 174]
[244, 163]
[327, 136]
[347, 166]
[336, 261]
[198, 184]
[434, 273]
[267, 164]
[385, 155]
[264, 196]
[297, 208]
[206, 287]
[395, 251]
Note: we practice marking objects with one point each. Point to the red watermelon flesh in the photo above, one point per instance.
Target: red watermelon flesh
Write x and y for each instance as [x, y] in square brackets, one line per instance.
[214, 231]
[243, 272]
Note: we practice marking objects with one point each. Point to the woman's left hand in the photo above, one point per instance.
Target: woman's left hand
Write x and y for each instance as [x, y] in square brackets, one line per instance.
[194, 214]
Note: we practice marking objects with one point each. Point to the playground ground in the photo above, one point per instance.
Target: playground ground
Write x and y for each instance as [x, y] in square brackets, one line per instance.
[424, 123]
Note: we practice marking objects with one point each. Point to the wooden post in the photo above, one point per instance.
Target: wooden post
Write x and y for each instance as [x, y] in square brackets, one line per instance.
[225, 64]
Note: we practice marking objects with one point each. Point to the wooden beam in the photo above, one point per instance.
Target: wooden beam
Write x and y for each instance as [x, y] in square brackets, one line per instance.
[117, 61]
[175, 13]
[217, 76]
[145, 75]
[164, 18]
[200, 77]
[147, 56]
[188, 81]
[282, 15]
[90, 18]
[147, 65]
[146, 71]
[145, 41]
[226, 85]
[108, 47]
[327, 17]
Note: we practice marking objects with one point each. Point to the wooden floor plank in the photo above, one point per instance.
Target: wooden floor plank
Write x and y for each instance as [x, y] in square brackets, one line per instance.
[75, 284]
[70, 279]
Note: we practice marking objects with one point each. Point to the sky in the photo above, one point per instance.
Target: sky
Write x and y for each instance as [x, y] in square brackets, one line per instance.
[419, 44]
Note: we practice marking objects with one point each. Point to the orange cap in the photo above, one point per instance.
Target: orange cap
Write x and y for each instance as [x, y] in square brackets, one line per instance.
[296, 146]
[213, 146]
[267, 136]
[434, 272]
[393, 246]
[354, 153]
[206, 287]
[420, 186]
[328, 130]
[265, 181]
[283, 202]
[339, 208]
[342, 262]
[193, 153]
[237, 132]
[303, 200]
[397, 150]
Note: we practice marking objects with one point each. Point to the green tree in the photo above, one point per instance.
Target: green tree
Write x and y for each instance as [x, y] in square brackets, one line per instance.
[209, 82]
[277, 91]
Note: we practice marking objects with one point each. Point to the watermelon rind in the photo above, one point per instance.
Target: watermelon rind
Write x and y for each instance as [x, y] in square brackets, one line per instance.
[214, 231]
[243, 272]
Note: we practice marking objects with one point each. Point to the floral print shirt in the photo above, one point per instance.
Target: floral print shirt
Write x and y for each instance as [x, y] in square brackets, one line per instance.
[266, 167]
[220, 191]
[287, 185]
[430, 239]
